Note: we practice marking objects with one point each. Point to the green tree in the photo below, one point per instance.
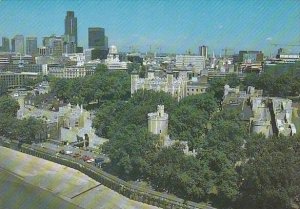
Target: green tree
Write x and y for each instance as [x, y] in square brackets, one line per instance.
[270, 176]
[232, 80]
[9, 106]
[216, 87]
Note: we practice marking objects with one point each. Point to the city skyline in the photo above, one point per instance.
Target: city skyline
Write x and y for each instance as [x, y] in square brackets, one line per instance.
[166, 26]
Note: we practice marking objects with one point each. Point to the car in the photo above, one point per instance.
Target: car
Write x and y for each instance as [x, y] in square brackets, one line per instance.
[76, 155]
[85, 158]
[99, 161]
[90, 160]
[62, 151]
[68, 152]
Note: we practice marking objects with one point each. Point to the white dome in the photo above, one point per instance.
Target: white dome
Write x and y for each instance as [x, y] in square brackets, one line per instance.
[113, 50]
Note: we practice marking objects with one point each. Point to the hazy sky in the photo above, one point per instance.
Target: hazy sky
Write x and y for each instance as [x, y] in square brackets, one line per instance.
[172, 25]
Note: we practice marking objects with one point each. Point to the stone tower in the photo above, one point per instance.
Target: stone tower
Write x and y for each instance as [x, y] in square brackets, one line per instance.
[134, 80]
[170, 77]
[158, 121]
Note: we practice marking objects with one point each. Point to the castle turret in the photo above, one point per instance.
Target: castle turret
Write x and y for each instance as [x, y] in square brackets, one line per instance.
[158, 121]
[150, 74]
[170, 77]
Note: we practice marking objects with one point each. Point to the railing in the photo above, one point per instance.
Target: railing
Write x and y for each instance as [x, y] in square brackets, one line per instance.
[126, 189]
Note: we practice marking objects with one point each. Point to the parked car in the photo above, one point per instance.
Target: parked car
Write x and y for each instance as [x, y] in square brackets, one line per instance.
[99, 161]
[68, 152]
[85, 158]
[76, 155]
[62, 152]
[90, 160]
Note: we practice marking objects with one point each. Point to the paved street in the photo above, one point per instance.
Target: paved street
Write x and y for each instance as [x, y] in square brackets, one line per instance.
[65, 183]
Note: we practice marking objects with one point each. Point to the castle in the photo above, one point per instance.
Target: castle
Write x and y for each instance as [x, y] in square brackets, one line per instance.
[174, 86]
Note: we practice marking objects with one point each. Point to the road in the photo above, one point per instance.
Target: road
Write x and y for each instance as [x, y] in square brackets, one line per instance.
[64, 185]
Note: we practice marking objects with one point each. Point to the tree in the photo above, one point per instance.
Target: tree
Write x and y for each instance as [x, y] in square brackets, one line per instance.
[9, 106]
[270, 176]
[216, 87]
[31, 130]
[232, 80]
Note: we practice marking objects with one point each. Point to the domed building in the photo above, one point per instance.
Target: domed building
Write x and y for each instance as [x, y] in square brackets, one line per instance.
[113, 50]
[113, 61]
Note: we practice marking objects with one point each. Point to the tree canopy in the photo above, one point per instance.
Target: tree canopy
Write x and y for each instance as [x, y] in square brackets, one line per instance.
[9, 106]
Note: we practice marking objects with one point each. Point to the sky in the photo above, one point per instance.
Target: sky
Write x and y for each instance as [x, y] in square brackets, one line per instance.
[174, 26]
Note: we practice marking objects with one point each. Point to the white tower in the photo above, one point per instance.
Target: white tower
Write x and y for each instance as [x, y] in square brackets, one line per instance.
[158, 121]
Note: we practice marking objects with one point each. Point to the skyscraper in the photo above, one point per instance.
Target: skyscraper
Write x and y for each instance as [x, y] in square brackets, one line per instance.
[203, 51]
[99, 42]
[17, 44]
[31, 45]
[5, 44]
[70, 32]
[96, 38]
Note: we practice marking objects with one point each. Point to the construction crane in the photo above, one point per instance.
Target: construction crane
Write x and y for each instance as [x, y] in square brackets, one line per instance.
[285, 45]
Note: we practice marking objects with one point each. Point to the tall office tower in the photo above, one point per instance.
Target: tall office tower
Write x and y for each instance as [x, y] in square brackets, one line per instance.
[13, 45]
[70, 32]
[96, 38]
[203, 50]
[106, 42]
[5, 44]
[97, 41]
[17, 44]
[31, 46]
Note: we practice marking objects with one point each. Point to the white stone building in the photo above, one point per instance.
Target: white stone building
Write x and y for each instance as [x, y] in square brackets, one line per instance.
[113, 61]
[174, 86]
[195, 61]
[158, 121]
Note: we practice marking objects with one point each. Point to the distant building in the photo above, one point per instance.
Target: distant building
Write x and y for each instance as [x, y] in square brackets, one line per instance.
[62, 71]
[169, 84]
[31, 46]
[203, 51]
[284, 57]
[13, 80]
[43, 51]
[250, 61]
[251, 56]
[4, 60]
[26, 59]
[266, 115]
[71, 39]
[113, 61]
[135, 58]
[5, 45]
[98, 41]
[96, 38]
[197, 85]
[78, 58]
[17, 44]
[54, 45]
[194, 61]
